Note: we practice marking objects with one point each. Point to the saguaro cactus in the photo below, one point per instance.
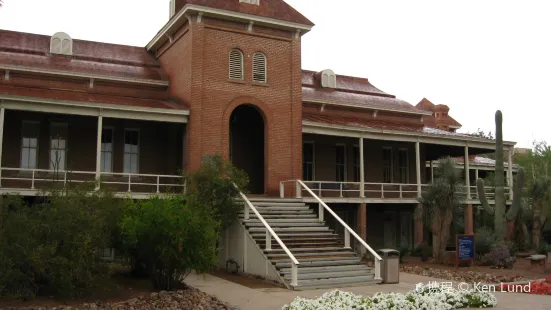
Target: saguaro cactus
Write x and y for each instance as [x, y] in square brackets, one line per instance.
[500, 216]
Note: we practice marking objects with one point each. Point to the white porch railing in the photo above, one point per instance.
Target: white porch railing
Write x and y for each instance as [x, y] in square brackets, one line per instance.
[33, 179]
[300, 185]
[269, 234]
[335, 189]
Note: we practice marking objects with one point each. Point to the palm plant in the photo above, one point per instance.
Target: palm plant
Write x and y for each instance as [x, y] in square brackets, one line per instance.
[441, 204]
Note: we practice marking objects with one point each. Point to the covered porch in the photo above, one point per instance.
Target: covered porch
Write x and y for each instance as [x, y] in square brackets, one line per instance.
[133, 151]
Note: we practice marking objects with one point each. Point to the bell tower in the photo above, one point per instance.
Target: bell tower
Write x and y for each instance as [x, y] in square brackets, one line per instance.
[237, 64]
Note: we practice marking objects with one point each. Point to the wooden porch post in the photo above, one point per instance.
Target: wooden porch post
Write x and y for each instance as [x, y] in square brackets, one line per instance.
[510, 172]
[418, 224]
[432, 171]
[469, 220]
[362, 176]
[418, 168]
[98, 150]
[466, 168]
[2, 114]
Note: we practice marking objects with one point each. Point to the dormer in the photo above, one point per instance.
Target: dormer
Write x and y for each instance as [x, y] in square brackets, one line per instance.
[61, 43]
[257, 2]
[328, 79]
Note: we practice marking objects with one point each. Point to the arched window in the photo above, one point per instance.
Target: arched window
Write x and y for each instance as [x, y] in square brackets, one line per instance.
[259, 68]
[61, 43]
[236, 64]
[328, 79]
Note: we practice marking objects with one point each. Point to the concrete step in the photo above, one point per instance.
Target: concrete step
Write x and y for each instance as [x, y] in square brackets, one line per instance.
[282, 216]
[273, 199]
[298, 221]
[344, 268]
[282, 208]
[291, 229]
[335, 282]
[280, 212]
[284, 224]
[310, 250]
[318, 262]
[330, 275]
[296, 235]
[261, 204]
[312, 255]
[275, 246]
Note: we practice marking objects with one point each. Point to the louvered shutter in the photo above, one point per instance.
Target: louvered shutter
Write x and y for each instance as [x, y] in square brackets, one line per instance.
[236, 65]
[56, 46]
[259, 68]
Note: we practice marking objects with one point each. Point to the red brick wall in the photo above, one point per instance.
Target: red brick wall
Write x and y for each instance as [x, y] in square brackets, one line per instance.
[198, 66]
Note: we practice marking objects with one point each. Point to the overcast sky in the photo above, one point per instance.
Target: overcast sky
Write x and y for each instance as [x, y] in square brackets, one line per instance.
[475, 56]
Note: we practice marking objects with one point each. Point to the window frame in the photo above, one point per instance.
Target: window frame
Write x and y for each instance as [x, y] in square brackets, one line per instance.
[242, 65]
[407, 176]
[265, 63]
[65, 149]
[112, 149]
[137, 154]
[345, 164]
[391, 162]
[37, 144]
[313, 163]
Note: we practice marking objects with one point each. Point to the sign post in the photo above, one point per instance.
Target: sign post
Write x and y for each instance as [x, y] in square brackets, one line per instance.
[465, 249]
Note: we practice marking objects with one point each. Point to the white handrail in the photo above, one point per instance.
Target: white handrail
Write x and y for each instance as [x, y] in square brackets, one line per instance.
[348, 231]
[271, 233]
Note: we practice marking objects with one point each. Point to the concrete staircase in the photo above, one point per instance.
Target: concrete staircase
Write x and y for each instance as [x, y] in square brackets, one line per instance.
[324, 262]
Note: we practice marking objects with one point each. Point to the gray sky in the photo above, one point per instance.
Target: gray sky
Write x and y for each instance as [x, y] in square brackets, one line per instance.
[475, 56]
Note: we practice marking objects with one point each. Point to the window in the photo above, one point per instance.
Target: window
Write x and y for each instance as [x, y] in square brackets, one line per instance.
[107, 149]
[328, 79]
[403, 164]
[387, 165]
[356, 163]
[259, 68]
[236, 64]
[61, 43]
[131, 150]
[29, 145]
[257, 2]
[340, 163]
[58, 146]
[308, 161]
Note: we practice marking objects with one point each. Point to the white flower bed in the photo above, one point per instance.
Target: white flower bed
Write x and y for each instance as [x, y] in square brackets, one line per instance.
[423, 298]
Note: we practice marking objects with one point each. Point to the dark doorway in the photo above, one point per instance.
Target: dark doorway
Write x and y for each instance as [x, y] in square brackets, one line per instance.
[247, 145]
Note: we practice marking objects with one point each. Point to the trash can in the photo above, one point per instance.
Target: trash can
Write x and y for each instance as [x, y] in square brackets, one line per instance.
[390, 266]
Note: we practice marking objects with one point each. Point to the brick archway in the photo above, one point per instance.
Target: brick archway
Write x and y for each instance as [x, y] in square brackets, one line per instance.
[240, 105]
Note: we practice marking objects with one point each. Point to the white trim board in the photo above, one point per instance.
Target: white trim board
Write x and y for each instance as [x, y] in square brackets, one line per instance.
[92, 76]
[35, 104]
[392, 135]
[179, 19]
[368, 107]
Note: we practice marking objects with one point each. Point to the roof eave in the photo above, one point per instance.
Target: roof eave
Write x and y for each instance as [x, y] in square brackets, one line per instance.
[368, 107]
[181, 17]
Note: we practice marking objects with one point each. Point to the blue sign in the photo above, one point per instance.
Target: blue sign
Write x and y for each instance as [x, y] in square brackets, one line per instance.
[465, 247]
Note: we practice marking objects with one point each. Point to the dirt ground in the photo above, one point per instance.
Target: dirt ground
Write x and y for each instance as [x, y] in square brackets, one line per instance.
[521, 269]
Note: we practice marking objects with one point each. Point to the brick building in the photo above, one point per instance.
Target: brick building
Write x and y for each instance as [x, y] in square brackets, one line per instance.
[225, 77]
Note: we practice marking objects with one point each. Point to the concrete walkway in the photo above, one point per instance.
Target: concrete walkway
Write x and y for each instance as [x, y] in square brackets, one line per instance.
[275, 298]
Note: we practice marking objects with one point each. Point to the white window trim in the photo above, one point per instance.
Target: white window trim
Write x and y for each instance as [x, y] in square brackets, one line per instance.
[242, 61]
[60, 124]
[345, 162]
[37, 143]
[139, 148]
[403, 149]
[313, 158]
[112, 146]
[391, 163]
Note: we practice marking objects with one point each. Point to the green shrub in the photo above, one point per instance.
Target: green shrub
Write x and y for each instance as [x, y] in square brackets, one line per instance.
[169, 237]
[484, 240]
[52, 247]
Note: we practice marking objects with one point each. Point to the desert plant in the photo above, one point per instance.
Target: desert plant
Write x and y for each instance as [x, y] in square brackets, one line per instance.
[404, 251]
[484, 240]
[169, 237]
[499, 257]
[440, 203]
[500, 216]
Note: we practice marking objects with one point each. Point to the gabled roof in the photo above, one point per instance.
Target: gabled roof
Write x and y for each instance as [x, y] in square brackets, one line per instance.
[276, 9]
[352, 92]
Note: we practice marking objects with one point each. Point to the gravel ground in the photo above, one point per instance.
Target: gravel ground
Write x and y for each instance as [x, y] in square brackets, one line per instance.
[191, 299]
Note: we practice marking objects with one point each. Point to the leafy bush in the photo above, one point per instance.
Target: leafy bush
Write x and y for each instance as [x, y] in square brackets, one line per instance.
[169, 237]
[499, 257]
[423, 297]
[544, 248]
[52, 247]
[422, 250]
[212, 187]
[484, 240]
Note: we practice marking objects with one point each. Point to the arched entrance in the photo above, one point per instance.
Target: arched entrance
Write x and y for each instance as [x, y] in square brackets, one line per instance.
[247, 144]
